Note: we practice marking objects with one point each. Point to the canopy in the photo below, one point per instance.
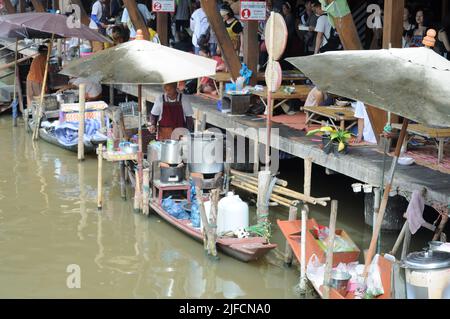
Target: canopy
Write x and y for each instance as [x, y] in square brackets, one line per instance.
[413, 83]
[43, 25]
[141, 62]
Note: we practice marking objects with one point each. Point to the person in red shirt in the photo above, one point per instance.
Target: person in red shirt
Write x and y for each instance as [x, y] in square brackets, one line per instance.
[35, 77]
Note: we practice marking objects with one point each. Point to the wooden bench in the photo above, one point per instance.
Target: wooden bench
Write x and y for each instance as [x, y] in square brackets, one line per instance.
[301, 93]
[439, 135]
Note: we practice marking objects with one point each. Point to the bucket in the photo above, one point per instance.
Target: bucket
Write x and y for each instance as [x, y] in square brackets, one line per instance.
[339, 281]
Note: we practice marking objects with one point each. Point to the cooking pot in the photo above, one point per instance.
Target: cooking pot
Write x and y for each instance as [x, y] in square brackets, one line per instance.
[434, 245]
[205, 153]
[339, 281]
[427, 274]
[171, 152]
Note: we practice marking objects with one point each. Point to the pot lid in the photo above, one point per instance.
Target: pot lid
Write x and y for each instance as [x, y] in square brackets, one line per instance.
[428, 260]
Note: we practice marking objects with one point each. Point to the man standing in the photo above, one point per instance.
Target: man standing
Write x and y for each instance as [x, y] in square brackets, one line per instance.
[35, 77]
[97, 22]
[183, 11]
[126, 20]
[327, 38]
[200, 26]
[171, 110]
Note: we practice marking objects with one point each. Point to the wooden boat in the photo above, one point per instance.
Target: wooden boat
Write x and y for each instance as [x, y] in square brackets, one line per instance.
[292, 233]
[50, 137]
[243, 249]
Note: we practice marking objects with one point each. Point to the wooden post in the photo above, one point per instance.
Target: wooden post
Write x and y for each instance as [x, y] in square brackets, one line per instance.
[123, 193]
[100, 176]
[136, 18]
[307, 176]
[21, 6]
[393, 23]
[85, 19]
[162, 19]
[251, 49]
[399, 239]
[38, 6]
[44, 84]
[288, 256]
[215, 195]
[303, 278]
[82, 103]
[14, 105]
[373, 242]
[203, 122]
[330, 248]
[146, 192]
[215, 21]
[264, 179]
[140, 155]
[256, 154]
[137, 192]
[9, 7]
[19, 92]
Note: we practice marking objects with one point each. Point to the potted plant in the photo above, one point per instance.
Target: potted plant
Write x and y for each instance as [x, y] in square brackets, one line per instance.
[333, 140]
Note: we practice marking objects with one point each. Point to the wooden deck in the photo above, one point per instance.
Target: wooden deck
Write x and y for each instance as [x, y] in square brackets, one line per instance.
[362, 163]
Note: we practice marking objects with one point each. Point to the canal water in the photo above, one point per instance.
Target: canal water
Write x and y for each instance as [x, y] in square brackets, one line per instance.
[50, 225]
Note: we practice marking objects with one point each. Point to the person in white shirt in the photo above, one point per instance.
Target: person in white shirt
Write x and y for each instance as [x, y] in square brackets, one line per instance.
[365, 131]
[97, 23]
[126, 20]
[199, 25]
[323, 27]
[93, 87]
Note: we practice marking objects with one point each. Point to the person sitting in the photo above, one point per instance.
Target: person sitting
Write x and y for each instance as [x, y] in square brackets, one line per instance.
[93, 88]
[35, 77]
[365, 131]
[118, 36]
[171, 110]
[317, 97]
[206, 83]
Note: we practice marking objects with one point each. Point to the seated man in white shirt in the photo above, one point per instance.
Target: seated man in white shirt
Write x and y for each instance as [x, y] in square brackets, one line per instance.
[93, 88]
[365, 131]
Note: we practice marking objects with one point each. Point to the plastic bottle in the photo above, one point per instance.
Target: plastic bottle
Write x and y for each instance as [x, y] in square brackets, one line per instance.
[110, 142]
[232, 213]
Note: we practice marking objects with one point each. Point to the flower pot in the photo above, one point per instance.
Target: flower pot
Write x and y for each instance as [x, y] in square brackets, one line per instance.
[327, 145]
[336, 149]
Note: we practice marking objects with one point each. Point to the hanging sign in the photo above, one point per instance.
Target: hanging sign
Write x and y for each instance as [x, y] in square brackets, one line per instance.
[163, 6]
[253, 10]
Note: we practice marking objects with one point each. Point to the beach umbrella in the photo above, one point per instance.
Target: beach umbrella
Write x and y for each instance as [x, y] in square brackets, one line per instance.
[409, 82]
[141, 62]
[413, 82]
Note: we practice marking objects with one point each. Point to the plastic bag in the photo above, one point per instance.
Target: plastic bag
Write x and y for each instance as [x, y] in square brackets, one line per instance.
[374, 284]
[174, 209]
[315, 271]
[195, 214]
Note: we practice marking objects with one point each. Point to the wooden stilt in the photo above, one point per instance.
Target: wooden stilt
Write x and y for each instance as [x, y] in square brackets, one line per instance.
[100, 176]
[215, 194]
[263, 200]
[81, 121]
[137, 193]
[307, 177]
[123, 193]
[288, 255]
[14, 104]
[330, 247]
[44, 84]
[303, 279]
[146, 191]
[256, 155]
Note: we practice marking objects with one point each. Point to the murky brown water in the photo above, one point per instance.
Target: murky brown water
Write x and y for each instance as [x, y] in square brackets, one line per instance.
[49, 220]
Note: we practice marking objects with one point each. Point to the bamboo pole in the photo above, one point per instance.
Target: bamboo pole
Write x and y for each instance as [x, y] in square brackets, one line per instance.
[137, 193]
[406, 243]
[140, 151]
[383, 205]
[303, 278]
[264, 179]
[256, 155]
[253, 189]
[146, 191]
[122, 180]
[399, 239]
[81, 113]
[279, 182]
[14, 105]
[44, 84]
[330, 248]
[19, 92]
[307, 177]
[288, 255]
[99, 176]
[215, 194]
[289, 193]
[10, 64]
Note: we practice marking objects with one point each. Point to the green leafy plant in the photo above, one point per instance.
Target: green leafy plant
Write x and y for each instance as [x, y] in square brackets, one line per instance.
[339, 136]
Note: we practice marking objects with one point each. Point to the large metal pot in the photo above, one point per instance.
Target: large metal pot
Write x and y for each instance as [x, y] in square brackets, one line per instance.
[427, 274]
[171, 152]
[205, 153]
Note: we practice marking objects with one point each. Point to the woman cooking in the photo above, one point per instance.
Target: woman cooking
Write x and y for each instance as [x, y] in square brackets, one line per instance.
[171, 110]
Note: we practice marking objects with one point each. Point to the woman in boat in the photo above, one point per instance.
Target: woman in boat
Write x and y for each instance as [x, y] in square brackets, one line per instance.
[171, 110]
[420, 30]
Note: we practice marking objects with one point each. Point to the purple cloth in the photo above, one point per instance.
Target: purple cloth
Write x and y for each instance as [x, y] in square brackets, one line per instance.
[415, 211]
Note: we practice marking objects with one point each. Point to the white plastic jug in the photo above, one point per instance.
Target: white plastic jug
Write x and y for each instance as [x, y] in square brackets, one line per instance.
[232, 213]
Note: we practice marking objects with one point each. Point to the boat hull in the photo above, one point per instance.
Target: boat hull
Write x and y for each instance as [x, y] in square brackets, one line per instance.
[243, 249]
